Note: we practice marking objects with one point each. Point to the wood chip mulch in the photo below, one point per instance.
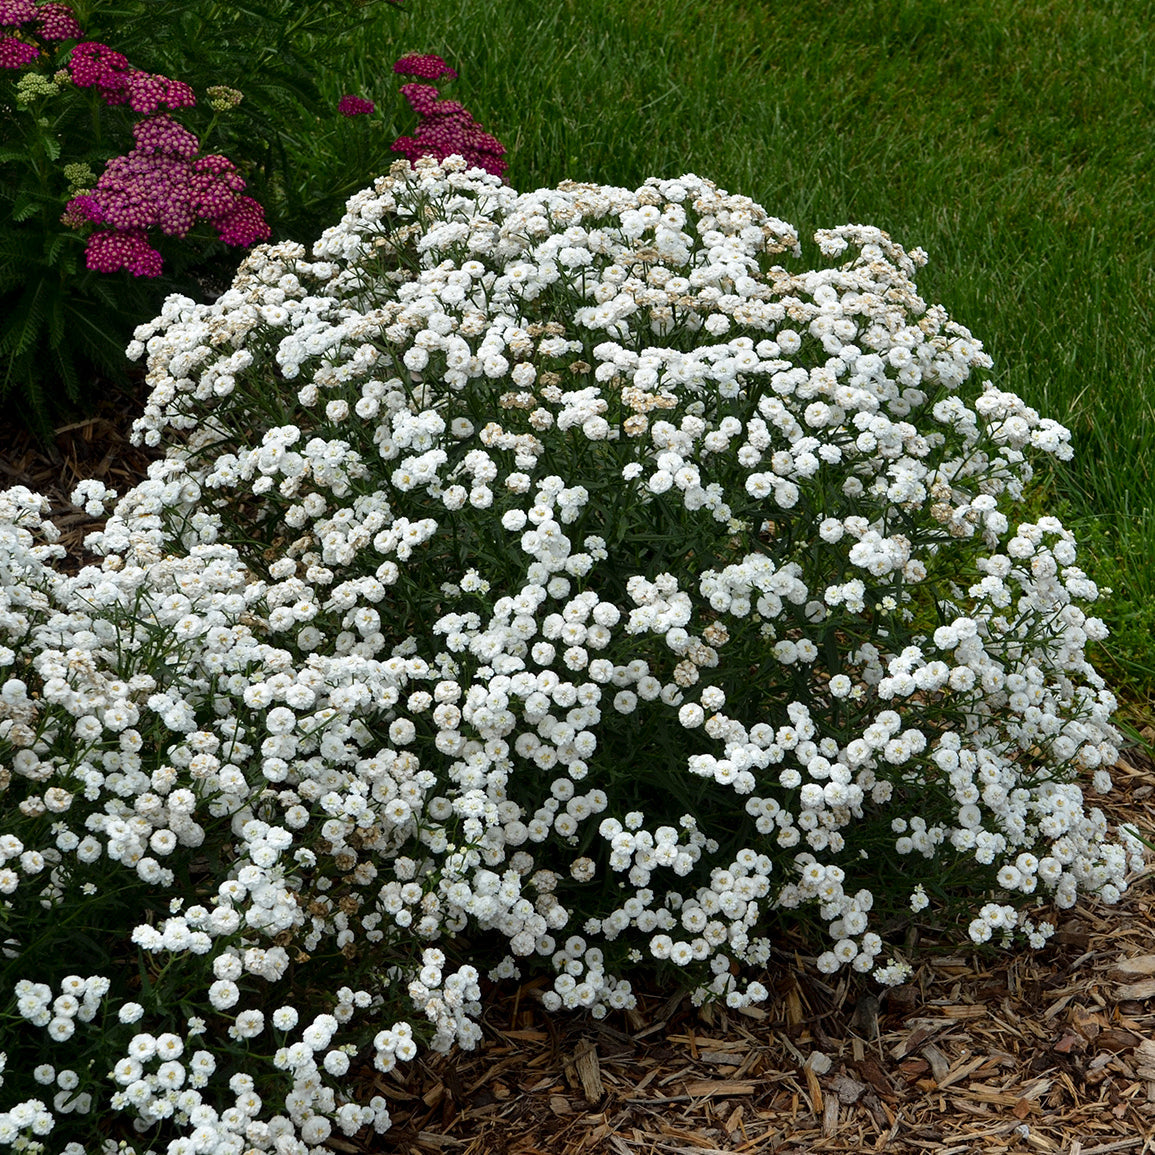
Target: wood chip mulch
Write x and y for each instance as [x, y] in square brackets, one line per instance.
[1046, 1051]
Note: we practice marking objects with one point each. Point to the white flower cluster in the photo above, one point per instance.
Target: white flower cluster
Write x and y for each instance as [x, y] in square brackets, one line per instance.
[523, 565]
[79, 1000]
[451, 1008]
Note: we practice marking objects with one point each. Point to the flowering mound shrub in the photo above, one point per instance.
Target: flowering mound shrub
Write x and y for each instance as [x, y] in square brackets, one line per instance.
[540, 580]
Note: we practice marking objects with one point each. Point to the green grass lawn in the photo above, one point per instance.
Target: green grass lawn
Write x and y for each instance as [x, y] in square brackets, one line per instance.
[1012, 139]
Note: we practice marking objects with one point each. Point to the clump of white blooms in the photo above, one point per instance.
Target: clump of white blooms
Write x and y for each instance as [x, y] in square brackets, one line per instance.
[558, 570]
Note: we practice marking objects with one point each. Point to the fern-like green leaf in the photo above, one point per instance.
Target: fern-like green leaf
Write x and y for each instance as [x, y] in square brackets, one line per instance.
[24, 208]
[66, 373]
[22, 326]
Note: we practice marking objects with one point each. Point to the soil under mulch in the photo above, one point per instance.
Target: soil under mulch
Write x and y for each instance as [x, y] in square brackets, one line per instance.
[1047, 1051]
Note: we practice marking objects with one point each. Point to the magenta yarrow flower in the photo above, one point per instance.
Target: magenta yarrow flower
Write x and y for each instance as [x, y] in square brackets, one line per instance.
[162, 134]
[57, 22]
[139, 190]
[84, 207]
[13, 13]
[447, 129]
[244, 224]
[75, 214]
[94, 64]
[109, 251]
[425, 67]
[15, 53]
[159, 184]
[214, 185]
[422, 97]
[354, 106]
[148, 92]
[220, 167]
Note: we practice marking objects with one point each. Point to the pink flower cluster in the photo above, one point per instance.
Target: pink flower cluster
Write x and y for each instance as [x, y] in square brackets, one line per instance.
[58, 23]
[109, 251]
[14, 13]
[52, 21]
[97, 65]
[15, 53]
[424, 67]
[355, 106]
[161, 183]
[445, 127]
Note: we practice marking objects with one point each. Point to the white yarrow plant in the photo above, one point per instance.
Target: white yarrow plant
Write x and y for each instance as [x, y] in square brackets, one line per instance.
[573, 571]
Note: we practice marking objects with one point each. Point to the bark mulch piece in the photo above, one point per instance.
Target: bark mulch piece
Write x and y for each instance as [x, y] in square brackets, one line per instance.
[991, 1053]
